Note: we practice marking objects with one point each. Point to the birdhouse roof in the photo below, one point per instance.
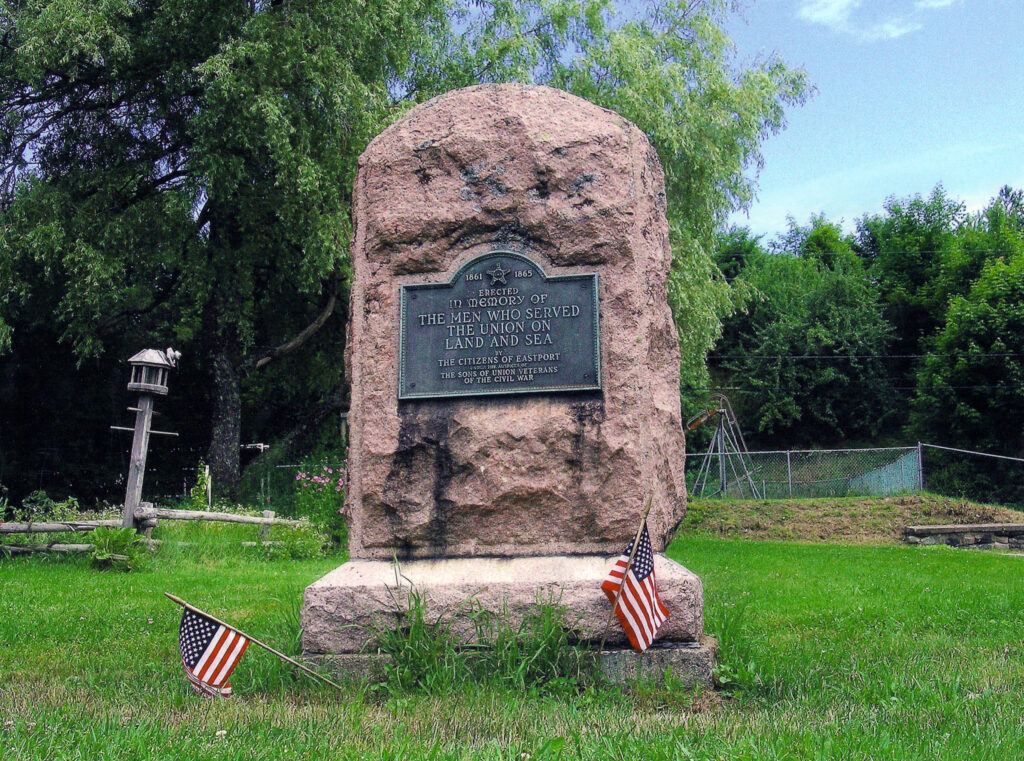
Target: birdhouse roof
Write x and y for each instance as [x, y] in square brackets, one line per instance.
[152, 357]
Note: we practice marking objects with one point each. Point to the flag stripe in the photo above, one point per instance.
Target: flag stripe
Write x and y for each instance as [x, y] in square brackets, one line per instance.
[627, 611]
[639, 601]
[658, 606]
[215, 654]
[216, 673]
[637, 628]
[208, 651]
[199, 686]
[213, 667]
[634, 631]
[646, 634]
[231, 661]
[628, 625]
[650, 601]
[639, 613]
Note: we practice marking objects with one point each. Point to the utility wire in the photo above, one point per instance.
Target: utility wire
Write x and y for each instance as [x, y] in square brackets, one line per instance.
[868, 387]
[873, 255]
[862, 356]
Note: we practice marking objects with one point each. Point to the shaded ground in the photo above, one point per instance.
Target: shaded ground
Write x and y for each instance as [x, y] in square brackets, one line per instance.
[844, 520]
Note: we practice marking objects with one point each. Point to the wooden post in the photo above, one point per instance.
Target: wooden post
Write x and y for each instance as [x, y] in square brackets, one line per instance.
[264, 530]
[137, 469]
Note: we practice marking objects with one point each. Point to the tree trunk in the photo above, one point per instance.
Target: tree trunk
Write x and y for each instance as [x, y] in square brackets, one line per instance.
[226, 411]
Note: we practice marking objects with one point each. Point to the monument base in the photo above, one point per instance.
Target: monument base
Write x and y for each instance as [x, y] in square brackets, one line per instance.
[345, 610]
[692, 663]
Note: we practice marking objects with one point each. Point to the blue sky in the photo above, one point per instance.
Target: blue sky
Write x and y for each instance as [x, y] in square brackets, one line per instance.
[911, 93]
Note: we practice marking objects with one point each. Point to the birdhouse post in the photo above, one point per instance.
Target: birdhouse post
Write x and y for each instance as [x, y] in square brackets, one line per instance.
[149, 378]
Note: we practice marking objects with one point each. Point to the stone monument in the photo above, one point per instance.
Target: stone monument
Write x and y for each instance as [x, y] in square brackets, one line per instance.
[514, 369]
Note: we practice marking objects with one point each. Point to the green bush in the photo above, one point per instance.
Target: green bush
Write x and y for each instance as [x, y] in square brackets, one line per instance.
[200, 495]
[736, 670]
[117, 548]
[37, 507]
[320, 496]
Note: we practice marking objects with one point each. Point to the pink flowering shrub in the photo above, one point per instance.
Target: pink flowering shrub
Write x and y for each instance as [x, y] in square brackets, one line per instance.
[320, 496]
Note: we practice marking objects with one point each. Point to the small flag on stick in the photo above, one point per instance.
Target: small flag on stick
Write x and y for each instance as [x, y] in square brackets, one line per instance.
[210, 650]
[631, 589]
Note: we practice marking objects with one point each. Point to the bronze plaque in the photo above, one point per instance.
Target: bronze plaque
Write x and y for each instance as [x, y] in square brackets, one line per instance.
[500, 326]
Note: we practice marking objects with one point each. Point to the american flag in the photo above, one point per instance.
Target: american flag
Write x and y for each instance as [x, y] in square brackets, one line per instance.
[640, 610]
[209, 651]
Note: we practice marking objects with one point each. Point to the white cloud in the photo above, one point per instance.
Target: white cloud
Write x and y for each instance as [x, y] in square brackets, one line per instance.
[834, 14]
[889, 30]
[843, 17]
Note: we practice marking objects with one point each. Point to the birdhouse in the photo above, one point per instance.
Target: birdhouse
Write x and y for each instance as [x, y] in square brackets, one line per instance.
[149, 370]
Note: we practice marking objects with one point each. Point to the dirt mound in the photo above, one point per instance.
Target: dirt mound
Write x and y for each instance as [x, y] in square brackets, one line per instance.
[844, 520]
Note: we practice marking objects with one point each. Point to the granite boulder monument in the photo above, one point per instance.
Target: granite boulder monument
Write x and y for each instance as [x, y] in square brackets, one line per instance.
[514, 369]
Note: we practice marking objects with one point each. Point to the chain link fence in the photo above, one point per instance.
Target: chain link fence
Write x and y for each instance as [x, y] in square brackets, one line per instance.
[975, 476]
[777, 474]
[272, 488]
[805, 473]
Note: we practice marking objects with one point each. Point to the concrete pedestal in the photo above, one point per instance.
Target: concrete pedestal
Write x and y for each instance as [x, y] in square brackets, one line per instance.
[692, 663]
[343, 610]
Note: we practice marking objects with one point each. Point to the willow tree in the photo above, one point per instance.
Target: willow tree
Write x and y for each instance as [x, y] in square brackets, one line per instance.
[186, 166]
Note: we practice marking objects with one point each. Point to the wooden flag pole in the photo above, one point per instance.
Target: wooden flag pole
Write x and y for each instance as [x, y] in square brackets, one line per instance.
[252, 639]
[629, 564]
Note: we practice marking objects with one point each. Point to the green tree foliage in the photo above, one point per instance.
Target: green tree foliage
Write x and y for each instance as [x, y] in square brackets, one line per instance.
[821, 240]
[924, 254]
[904, 249]
[734, 248]
[180, 172]
[915, 254]
[670, 74]
[996, 231]
[184, 167]
[969, 388]
[799, 353]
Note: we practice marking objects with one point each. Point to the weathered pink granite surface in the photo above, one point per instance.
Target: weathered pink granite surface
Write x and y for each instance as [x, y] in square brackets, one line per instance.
[345, 609]
[578, 189]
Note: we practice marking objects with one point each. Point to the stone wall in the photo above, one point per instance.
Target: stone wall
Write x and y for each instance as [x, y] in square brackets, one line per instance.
[980, 536]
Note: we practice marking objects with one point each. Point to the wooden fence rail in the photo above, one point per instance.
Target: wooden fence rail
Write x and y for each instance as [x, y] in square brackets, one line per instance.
[145, 518]
[24, 549]
[54, 527]
[163, 513]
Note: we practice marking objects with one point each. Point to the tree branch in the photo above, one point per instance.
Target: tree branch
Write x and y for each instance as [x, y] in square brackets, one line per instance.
[308, 332]
[161, 298]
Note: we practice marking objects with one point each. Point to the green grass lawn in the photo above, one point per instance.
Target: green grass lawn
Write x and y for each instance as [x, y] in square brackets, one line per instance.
[832, 651]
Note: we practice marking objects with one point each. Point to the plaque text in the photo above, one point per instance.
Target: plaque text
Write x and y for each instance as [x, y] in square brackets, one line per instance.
[500, 326]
